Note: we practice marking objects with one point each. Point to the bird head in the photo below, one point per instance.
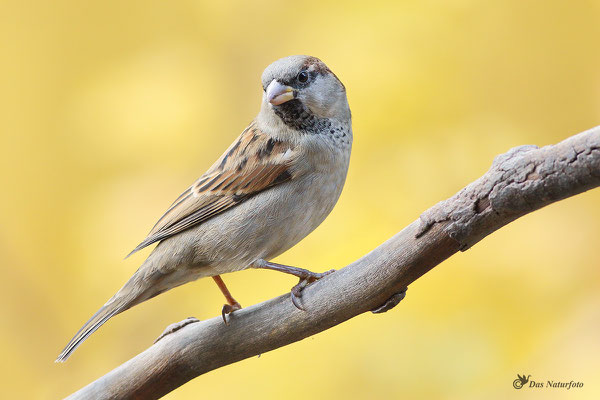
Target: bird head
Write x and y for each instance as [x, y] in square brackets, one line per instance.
[303, 86]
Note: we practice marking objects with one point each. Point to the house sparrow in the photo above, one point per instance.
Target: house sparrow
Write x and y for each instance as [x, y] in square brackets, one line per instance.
[273, 186]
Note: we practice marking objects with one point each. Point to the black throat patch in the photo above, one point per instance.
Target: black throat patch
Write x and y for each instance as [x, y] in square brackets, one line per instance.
[295, 115]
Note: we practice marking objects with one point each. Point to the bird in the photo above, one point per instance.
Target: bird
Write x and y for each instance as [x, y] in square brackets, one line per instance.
[272, 187]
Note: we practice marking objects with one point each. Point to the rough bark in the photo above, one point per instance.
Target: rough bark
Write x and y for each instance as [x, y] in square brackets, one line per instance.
[520, 181]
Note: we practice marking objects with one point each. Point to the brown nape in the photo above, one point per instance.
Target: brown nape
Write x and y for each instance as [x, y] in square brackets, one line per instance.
[320, 68]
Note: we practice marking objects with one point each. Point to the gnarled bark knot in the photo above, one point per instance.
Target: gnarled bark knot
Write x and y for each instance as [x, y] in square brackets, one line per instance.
[519, 181]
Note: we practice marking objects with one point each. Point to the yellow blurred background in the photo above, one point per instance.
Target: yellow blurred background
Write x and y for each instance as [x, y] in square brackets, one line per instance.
[110, 109]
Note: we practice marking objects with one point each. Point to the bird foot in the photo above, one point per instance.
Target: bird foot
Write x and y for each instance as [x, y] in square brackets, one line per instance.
[390, 303]
[306, 278]
[228, 309]
[176, 326]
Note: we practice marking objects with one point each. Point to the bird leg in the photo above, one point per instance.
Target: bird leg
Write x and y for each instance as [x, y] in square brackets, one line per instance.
[232, 304]
[228, 308]
[306, 277]
[390, 303]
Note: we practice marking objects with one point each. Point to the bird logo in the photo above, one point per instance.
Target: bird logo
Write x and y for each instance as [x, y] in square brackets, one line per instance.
[520, 381]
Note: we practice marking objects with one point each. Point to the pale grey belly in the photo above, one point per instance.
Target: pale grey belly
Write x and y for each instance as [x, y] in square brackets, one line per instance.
[263, 226]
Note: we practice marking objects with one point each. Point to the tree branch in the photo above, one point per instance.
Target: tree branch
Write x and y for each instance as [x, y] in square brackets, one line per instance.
[520, 181]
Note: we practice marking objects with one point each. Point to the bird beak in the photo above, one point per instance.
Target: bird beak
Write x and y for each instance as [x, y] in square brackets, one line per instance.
[278, 94]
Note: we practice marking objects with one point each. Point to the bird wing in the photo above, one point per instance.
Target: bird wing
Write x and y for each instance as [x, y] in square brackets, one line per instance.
[253, 163]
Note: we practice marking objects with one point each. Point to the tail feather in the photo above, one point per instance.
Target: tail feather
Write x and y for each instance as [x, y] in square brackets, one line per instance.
[106, 312]
[133, 292]
[146, 283]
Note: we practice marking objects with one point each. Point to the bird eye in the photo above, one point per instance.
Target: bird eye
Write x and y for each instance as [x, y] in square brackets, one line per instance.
[303, 76]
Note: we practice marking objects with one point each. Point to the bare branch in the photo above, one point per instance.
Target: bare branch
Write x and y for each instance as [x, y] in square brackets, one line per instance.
[523, 180]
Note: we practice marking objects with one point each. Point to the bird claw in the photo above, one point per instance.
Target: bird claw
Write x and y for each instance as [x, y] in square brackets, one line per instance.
[305, 280]
[296, 294]
[176, 326]
[228, 309]
[390, 303]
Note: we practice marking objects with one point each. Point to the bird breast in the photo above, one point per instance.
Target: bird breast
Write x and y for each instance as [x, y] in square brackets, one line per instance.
[265, 225]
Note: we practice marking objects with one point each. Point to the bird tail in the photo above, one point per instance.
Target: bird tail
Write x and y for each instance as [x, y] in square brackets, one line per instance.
[135, 291]
[107, 311]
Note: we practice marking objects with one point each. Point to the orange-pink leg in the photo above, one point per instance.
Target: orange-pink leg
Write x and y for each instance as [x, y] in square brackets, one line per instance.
[232, 304]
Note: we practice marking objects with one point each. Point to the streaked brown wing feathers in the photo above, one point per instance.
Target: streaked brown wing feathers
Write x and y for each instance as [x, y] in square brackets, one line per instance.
[252, 164]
